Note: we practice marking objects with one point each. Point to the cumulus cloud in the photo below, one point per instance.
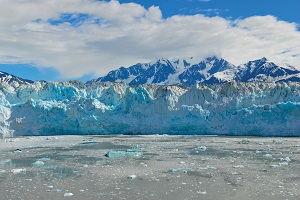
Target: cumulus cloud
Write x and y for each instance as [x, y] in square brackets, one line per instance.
[99, 36]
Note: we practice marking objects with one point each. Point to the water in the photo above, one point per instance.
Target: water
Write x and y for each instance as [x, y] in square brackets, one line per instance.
[77, 165]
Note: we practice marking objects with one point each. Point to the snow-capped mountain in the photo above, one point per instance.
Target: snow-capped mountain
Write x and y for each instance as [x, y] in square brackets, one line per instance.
[263, 70]
[189, 72]
[168, 72]
[208, 71]
[8, 78]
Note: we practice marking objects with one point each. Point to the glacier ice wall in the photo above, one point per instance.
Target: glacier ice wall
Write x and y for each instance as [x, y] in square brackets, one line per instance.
[265, 109]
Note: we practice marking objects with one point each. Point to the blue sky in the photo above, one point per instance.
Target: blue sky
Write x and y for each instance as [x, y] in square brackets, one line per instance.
[68, 39]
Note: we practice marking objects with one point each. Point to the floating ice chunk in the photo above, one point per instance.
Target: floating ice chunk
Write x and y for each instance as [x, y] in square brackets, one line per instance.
[201, 148]
[173, 170]
[278, 141]
[274, 166]
[44, 159]
[51, 138]
[268, 155]
[69, 194]
[144, 165]
[286, 159]
[116, 154]
[38, 163]
[245, 141]
[184, 170]
[210, 167]
[132, 176]
[154, 178]
[17, 171]
[17, 151]
[89, 140]
[135, 149]
[284, 163]
[239, 166]
[12, 140]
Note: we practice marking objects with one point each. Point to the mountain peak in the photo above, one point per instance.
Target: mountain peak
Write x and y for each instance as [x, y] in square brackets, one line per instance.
[9, 78]
[263, 70]
[264, 59]
[260, 61]
[211, 58]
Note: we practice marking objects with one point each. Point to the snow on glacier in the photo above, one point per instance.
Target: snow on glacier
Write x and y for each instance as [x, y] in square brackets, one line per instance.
[266, 109]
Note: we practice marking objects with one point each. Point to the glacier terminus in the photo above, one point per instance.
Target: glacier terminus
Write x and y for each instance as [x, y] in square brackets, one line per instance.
[233, 108]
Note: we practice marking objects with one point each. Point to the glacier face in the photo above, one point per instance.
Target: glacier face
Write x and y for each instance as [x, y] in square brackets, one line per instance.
[256, 108]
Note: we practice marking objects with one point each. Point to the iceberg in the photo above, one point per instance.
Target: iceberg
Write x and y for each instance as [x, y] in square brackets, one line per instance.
[185, 170]
[38, 163]
[117, 154]
[252, 108]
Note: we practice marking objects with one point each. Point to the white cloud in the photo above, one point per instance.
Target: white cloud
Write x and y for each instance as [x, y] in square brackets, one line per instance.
[130, 33]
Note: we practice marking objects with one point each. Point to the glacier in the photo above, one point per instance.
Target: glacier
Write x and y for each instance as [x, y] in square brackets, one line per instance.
[233, 108]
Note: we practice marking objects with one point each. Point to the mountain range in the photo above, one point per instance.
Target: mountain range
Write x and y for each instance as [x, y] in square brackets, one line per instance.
[190, 71]
[208, 71]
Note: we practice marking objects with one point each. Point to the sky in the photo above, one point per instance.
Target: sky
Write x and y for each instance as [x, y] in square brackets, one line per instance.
[59, 40]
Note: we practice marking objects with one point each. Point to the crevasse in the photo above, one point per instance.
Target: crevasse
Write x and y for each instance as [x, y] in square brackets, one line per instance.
[261, 109]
